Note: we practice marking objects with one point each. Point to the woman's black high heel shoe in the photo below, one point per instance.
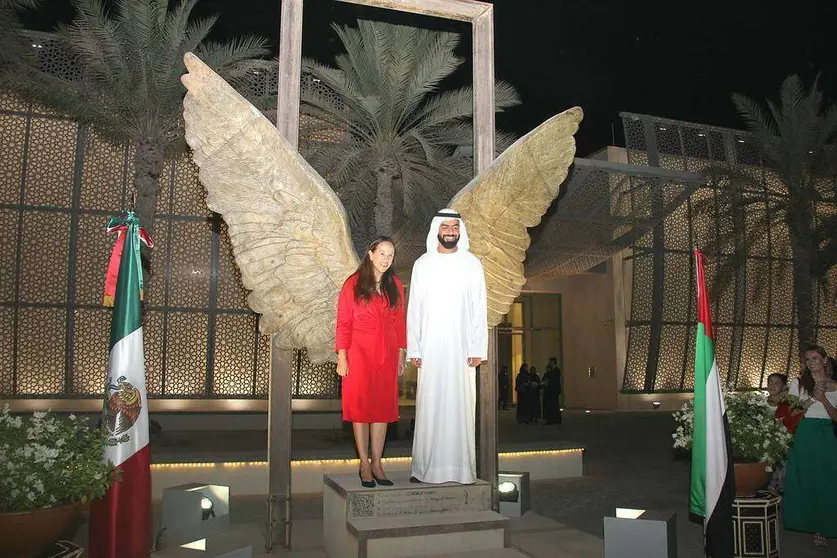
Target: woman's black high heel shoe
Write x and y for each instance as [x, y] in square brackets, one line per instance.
[382, 482]
[366, 484]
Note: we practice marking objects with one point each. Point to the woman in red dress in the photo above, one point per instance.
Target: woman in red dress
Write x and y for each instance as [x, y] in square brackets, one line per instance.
[371, 348]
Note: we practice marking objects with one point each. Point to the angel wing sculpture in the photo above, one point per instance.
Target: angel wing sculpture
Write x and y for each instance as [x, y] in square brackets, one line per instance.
[290, 234]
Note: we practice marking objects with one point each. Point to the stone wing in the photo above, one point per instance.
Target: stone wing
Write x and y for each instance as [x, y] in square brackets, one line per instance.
[512, 194]
[289, 232]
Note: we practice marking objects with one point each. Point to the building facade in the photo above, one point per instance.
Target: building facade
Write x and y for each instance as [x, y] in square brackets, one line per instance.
[618, 312]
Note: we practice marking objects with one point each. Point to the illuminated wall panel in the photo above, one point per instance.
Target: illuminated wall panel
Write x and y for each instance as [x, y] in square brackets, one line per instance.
[201, 340]
[755, 323]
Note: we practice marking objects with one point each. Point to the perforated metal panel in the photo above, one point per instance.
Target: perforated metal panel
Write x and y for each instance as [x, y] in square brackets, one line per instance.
[104, 164]
[12, 147]
[670, 364]
[754, 317]
[601, 209]
[8, 376]
[201, 340]
[43, 257]
[312, 381]
[50, 162]
[8, 255]
[91, 337]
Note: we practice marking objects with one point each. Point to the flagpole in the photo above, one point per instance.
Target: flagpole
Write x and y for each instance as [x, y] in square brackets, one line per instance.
[712, 489]
[120, 522]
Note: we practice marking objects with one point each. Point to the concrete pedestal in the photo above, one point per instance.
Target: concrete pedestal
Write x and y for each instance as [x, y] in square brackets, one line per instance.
[651, 535]
[408, 519]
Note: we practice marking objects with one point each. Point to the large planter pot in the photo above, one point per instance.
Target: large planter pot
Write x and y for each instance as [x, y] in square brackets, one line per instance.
[29, 534]
[750, 477]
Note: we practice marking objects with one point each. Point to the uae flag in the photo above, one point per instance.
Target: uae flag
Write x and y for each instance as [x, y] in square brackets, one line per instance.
[120, 523]
[712, 486]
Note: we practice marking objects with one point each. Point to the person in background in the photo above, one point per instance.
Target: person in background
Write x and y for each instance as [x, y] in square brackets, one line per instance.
[503, 385]
[522, 385]
[552, 392]
[534, 400]
[790, 415]
[777, 387]
[810, 488]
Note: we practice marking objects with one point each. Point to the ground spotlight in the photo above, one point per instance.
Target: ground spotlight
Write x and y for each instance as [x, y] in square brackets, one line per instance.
[655, 404]
[194, 511]
[508, 491]
[513, 488]
[207, 508]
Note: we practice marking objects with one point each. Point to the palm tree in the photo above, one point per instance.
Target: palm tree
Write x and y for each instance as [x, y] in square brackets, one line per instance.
[390, 137]
[12, 49]
[792, 191]
[130, 61]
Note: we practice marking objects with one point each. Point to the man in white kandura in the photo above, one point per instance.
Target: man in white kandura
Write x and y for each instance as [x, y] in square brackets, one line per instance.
[447, 337]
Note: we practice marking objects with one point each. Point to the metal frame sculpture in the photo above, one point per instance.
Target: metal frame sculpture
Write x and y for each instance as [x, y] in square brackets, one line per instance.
[289, 231]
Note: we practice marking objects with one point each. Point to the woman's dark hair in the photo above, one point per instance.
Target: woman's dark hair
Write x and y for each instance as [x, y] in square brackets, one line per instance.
[365, 286]
[782, 377]
[807, 380]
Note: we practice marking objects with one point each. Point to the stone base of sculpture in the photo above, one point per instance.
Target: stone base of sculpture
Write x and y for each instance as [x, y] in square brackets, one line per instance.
[408, 519]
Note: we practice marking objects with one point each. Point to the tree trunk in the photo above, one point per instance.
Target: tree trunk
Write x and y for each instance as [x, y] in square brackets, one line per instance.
[802, 247]
[148, 164]
[385, 173]
[398, 216]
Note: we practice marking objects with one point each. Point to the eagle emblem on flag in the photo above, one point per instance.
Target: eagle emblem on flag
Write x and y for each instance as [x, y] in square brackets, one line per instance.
[123, 404]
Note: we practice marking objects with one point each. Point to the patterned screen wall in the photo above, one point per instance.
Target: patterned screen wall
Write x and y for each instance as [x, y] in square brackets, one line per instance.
[755, 325]
[59, 183]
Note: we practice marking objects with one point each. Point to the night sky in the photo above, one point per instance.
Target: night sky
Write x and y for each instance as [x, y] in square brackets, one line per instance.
[648, 56]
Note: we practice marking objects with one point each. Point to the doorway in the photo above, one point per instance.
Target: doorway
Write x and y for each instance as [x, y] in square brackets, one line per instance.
[530, 333]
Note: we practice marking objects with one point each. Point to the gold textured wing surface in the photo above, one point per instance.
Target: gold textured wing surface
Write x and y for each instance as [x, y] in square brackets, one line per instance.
[289, 232]
[513, 193]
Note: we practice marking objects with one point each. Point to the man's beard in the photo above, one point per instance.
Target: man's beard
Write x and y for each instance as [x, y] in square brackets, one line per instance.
[447, 244]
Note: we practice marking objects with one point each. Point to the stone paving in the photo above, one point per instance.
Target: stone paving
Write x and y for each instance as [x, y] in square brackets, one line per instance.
[628, 463]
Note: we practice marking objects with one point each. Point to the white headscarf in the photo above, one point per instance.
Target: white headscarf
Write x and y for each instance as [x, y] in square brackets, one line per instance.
[432, 236]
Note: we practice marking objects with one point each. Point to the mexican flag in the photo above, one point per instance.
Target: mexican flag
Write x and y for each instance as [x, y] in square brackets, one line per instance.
[712, 486]
[120, 523]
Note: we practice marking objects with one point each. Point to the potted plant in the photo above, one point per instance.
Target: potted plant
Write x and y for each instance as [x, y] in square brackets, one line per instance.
[50, 469]
[759, 441]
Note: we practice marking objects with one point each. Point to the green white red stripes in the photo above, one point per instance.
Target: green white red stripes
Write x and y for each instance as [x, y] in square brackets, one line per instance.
[120, 523]
[712, 484]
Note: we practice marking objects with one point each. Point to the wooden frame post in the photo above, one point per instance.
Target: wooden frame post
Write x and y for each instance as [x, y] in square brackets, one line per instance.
[279, 418]
[487, 461]
[279, 437]
[483, 43]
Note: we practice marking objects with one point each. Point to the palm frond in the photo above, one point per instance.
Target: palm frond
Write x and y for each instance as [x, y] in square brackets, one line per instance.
[14, 49]
[383, 95]
[434, 61]
[774, 205]
[459, 104]
[759, 121]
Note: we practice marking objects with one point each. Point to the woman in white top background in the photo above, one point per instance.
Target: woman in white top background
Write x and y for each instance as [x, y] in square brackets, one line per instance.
[811, 480]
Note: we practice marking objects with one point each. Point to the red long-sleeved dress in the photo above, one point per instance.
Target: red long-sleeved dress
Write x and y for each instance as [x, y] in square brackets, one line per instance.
[372, 334]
